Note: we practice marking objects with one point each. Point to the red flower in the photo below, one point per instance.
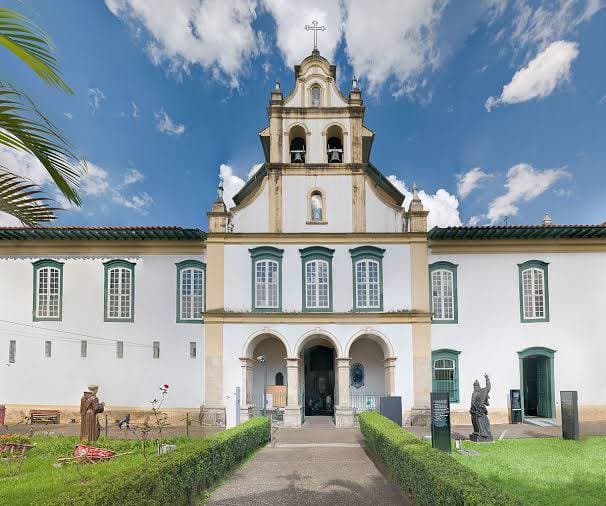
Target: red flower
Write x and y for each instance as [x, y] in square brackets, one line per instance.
[166, 386]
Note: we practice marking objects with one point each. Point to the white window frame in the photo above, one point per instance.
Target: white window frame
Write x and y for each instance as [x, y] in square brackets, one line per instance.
[315, 285]
[442, 294]
[48, 290]
[533, 294]
[119, 290]
[267, 286]
[365, 286]
[188, 302]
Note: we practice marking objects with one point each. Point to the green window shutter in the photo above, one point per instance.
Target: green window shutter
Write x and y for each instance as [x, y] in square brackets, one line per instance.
[266, 280]
[367, 274]
[534, 291]
[48, 290]
[443, 292]
[119, 291]
[445, 372]
[191, 291]
[316, 279]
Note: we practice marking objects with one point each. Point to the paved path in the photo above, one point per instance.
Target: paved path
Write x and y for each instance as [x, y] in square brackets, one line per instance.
[310, 466]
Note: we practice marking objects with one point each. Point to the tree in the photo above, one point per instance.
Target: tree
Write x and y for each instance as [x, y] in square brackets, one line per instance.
[23, 127]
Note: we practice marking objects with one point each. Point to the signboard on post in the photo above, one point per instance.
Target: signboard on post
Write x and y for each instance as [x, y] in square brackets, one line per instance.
[570, 414]
[440, 421]
[391, 407]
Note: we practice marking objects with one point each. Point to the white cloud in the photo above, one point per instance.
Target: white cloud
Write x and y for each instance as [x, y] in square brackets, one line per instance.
[442, 206]
[539, 24]
[540, 77]
[166, 125]
[95, 181]
[23, 164]
[95, 98]
[292, 40]
[134, 110]
[215, 34]
[254, 170]
[7, 220]
[68, 115]
[232, 184]
[471, 180]
[131, 177]
[140, 202]
[394, 38]
[524, 183]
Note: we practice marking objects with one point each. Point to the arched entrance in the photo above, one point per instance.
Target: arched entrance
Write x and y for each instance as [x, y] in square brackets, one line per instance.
[537, 383]
[263, 374]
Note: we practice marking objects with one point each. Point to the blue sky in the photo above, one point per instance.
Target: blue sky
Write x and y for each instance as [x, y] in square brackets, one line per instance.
[167, 93]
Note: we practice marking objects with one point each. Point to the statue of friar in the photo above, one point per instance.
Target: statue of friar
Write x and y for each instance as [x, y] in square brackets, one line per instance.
[479, 413]
[89, 407]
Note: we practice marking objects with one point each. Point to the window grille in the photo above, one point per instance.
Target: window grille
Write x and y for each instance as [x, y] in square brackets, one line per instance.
[156, 349]
[47, 290]
[12, 351]
[119, 349]
[445, 373]
[534, 291]
[48, 349]
[266, 282]
[193, 352]
[317, 284]
[191, 293]
[83, 349]
[368, 284]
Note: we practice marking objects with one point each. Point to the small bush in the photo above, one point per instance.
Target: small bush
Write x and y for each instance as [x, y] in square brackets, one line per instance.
[176, 477]
[429, 475]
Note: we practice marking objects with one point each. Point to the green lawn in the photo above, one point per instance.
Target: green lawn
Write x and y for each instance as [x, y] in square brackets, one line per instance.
[544, 471]
[38, 481]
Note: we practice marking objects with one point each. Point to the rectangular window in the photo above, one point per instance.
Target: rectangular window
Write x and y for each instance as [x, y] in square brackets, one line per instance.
[83, 349]
[316, 284]
[443, 292]
[193, 350]
[119, 290]
[48, 349]
[48, 288]
[156, 350]
[367, 284]
[534, 296]
[190, 291]
[266, 284]
[119, 349]
[12, 351]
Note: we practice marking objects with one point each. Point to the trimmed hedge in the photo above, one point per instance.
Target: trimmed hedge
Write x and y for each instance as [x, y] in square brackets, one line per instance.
[176, 477]
[429, 475]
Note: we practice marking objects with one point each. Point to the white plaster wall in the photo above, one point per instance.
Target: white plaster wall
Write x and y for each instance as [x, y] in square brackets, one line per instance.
[131, 381]
[275, 353]
[238, 277]
[236, 335]
[254, 217]
[315, 142]
[368, 353]
[337, 193]
[315, 75]
[379, 216]
[489, 333]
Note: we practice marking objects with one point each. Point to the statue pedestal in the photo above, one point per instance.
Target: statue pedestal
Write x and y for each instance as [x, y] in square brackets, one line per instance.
[476, 438]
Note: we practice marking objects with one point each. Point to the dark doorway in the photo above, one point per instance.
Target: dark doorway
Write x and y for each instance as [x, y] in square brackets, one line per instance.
[319, 381]
[537, 386]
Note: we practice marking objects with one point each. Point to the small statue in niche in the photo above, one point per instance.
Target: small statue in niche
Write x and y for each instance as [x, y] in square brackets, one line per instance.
[479, 413]
[89, 407]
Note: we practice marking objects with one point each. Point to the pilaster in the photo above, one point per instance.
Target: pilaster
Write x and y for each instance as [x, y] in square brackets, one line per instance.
[343, 413]
[292, 413]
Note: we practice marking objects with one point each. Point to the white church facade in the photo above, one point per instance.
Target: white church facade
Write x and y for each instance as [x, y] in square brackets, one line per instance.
[321, 287]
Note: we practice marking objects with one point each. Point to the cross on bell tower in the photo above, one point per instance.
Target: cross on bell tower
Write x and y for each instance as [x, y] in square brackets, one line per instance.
[314, 26]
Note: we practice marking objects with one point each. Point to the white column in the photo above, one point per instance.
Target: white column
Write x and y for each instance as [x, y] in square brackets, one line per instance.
[343, 412]
[247, 365]
[389, 367]
[292, 413]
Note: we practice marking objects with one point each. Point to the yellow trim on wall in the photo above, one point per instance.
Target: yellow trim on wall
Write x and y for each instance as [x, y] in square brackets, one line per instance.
[319, 238]
[310, 318]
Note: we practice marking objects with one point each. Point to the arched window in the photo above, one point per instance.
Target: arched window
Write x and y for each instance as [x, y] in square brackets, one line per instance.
[316, 96]
[317, 274]
[190, 301]
[445, 373]
[297, 144]
[534, 293]
[279, 379]
[316, 207]
[334, 144]
[119, 290]
[443, 286]
[48, 288]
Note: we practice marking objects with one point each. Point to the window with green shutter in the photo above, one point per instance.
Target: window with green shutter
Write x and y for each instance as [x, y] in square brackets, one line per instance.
[445, 372]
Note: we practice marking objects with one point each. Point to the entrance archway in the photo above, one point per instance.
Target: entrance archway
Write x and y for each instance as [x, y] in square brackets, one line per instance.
[537, 385]
[319, 380]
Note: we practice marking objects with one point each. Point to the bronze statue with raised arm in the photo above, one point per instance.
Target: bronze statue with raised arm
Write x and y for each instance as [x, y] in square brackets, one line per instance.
[479, 413]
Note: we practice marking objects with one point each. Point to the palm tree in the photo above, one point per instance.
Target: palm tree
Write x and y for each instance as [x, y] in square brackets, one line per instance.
[23, 127]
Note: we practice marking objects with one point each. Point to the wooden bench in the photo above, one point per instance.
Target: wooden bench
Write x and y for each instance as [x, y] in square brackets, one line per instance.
[44, 416]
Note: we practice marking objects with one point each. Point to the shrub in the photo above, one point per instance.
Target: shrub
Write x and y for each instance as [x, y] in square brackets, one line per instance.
[176, 477]
[429, 475]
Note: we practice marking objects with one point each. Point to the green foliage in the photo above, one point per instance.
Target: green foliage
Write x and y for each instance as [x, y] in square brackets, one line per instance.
[15, 438]
[429, 475]
[175, 477]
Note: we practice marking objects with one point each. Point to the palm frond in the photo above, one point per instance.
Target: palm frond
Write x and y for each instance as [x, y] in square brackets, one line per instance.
[24, 127]
[25, 40]
[23, 200]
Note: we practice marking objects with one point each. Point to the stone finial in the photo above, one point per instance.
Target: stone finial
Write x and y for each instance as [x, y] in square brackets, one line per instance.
[415, 203]
[277, 86]
[218, 217]
[354, 83]
[547, 221]
[417, 216]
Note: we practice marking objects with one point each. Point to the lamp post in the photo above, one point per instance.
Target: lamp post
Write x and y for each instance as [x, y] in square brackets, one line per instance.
[261, 359]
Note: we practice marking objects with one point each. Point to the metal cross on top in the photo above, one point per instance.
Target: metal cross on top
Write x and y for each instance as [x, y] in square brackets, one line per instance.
[314, 26]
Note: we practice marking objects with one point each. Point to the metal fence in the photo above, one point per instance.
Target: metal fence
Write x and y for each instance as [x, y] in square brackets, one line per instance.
[275, 402]
[360, 402]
